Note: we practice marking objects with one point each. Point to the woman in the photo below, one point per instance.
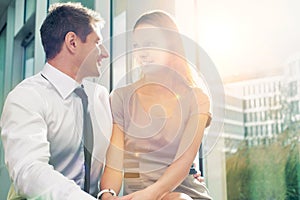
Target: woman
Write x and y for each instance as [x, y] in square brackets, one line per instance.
[159, 120]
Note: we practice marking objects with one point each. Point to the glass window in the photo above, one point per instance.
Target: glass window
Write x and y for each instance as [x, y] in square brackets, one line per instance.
[86, 3]
[263, 115]
[262, 91]
[2, 64]
[257, 103]
[29, 59]
[235, 129]
[30, 6]
[119, 65]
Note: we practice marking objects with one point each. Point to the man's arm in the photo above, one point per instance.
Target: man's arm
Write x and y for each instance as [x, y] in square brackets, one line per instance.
[24, 136]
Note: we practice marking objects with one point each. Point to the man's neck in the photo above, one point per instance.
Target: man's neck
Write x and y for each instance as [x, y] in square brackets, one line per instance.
[64, 67]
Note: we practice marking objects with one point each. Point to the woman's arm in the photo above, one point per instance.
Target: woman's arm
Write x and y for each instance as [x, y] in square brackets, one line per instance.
[179, 169]
[113, 171]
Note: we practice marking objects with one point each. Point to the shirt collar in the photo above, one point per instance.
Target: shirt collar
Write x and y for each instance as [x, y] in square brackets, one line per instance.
[64, 84]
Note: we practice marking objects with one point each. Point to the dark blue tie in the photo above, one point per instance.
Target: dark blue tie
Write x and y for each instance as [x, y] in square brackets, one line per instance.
[88, 138]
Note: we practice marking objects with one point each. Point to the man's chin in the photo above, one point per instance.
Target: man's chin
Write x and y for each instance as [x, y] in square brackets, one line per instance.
[95, 74]
[99, 70]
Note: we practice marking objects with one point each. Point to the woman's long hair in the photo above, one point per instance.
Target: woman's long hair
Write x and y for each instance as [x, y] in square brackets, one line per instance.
[165, 22]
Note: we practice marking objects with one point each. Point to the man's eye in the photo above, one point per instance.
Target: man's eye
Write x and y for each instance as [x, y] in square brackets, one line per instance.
[98, 43]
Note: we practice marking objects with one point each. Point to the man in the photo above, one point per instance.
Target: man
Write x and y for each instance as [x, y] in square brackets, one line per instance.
[43, 120]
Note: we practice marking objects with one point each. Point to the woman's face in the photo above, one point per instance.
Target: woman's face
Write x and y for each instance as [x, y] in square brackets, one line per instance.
[151, 46]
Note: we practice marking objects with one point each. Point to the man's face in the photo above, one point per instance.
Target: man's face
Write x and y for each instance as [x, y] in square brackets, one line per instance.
[92, 52]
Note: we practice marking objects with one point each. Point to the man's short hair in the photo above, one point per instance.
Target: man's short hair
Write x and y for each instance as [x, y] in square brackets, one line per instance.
[64, 18]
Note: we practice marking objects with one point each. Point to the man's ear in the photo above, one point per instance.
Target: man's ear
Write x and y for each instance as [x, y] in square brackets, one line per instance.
[71, 40]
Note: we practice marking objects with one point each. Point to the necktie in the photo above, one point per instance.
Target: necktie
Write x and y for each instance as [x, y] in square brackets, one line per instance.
[87, 136]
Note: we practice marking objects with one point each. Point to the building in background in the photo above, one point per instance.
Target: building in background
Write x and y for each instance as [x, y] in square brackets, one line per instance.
[292, 90]
[234, 131]
[262, 108]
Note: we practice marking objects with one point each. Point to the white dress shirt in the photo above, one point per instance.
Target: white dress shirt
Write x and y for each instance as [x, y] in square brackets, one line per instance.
[42, 124]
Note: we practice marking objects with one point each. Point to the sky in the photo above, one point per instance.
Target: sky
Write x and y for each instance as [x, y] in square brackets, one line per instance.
[246, 37]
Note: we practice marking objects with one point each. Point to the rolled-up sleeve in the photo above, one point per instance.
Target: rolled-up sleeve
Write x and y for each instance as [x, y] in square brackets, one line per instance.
[200, 104]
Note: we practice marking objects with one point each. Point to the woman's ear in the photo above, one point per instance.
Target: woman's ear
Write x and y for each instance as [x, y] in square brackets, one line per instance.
[71, 41]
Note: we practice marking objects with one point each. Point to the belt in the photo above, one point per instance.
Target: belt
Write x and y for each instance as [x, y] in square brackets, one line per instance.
[137, 175]
[131, 175]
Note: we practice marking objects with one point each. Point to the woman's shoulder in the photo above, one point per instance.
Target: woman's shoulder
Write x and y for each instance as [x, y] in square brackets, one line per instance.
[121, 91]
[125, 91]
[198, 93]
[200, 102]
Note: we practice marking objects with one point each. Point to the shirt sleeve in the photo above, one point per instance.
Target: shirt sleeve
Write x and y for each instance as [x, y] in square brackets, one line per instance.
[200, 104]
[24, 137]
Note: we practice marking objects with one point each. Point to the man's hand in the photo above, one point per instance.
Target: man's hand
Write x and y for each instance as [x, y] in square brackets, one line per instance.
[145, 194]
[108, 196]
[199, 177]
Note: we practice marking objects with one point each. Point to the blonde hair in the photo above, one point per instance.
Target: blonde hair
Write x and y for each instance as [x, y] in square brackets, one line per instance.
[165, 21]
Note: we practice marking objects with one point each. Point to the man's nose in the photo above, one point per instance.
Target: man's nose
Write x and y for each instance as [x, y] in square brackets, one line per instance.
[104, 52]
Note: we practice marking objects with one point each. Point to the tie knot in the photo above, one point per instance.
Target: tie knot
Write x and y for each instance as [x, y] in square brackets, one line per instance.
[81, 93]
